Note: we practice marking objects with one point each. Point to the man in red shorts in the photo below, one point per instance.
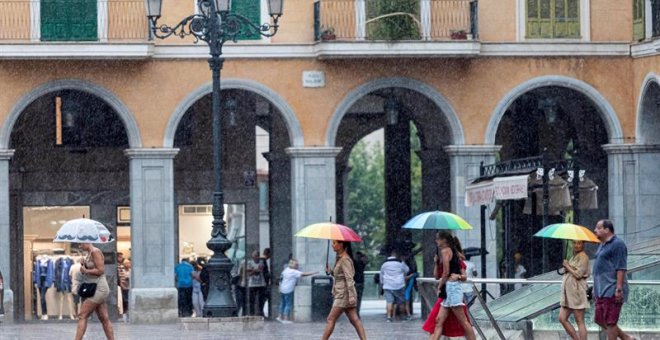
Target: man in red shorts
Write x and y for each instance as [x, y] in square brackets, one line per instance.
[610, 285]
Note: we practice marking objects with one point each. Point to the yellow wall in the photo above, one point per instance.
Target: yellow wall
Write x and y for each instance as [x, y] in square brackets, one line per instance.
[152, 89]
[497, 20]
[611, 20]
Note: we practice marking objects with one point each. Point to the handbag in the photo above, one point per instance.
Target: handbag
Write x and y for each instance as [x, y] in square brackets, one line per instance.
[87, 289]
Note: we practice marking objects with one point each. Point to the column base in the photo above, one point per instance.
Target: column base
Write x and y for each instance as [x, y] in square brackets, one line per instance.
[8, 306]
[302, 304]
[153, 305]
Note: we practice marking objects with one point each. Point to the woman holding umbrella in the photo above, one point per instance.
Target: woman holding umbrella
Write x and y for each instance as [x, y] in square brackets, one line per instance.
[93, 271]
[343, 290]
[573, 298]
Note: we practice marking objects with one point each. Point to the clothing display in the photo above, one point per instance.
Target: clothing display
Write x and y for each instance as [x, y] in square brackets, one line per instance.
[52, 280]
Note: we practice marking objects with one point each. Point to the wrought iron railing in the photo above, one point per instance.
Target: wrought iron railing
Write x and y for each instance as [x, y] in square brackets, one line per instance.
[116, 20]
[354, 20]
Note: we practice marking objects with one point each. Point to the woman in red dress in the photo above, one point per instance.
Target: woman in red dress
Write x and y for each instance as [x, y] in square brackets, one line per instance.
[451, 327]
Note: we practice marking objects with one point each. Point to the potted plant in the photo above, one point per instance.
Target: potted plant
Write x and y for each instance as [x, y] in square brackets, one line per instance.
[458, 35]
[328, 34]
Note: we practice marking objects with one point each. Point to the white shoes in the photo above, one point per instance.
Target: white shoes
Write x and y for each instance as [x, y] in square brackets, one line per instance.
[44, 317]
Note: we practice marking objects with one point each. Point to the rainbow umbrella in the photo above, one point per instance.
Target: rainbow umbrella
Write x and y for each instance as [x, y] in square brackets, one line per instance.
[568, 231]
[329, 231]
[437, 220]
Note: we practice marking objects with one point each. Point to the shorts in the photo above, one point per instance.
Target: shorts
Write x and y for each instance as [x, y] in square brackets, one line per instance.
[395, 296]
[454, 295]
[607, 311]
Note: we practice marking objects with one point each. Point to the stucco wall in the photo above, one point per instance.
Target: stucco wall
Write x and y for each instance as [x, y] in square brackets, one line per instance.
[152, 89]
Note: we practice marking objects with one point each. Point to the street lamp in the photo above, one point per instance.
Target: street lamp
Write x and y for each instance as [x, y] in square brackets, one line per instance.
[215, 25]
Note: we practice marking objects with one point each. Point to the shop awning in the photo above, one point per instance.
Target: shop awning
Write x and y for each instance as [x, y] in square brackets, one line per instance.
[499, 188]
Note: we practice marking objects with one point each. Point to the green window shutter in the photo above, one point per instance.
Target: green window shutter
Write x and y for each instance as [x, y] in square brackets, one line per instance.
[638, 20]
[251, 9]
[68, 20]
[549, 19]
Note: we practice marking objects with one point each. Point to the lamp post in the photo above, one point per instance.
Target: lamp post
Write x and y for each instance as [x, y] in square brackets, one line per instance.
[215, 25]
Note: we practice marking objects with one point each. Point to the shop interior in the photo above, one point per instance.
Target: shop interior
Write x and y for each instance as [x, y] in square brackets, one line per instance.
[47, 274]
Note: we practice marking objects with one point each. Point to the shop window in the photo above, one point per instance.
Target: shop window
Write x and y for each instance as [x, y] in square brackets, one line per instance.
[638, 20]
[195, 231]
[68, 20]
[553, 19]
[47, 295]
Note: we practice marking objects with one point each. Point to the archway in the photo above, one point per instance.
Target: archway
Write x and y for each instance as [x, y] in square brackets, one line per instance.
[69, 162]
[416, 122]
[558, 117]
[256, 171]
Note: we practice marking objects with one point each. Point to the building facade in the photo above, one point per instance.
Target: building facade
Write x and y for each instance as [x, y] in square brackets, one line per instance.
[98, 118]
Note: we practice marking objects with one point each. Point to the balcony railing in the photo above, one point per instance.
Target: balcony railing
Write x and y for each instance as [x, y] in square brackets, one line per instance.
[116, 21]
[405, 20]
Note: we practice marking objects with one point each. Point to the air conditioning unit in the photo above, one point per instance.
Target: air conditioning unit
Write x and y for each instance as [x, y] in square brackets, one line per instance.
[196, 210]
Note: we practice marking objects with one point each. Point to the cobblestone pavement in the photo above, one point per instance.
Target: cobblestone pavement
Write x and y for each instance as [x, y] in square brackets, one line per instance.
[375, 326]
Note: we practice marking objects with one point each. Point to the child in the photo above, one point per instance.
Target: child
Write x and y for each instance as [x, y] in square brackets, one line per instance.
[289, 278]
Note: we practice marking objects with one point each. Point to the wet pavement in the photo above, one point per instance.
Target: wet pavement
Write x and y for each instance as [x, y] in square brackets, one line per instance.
[374, 322]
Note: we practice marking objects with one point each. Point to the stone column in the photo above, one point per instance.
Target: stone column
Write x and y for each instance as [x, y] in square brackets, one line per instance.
[398, 205]
[312, 201]
[634, 189]
[5, 254]
[464, 162]
[153, 297]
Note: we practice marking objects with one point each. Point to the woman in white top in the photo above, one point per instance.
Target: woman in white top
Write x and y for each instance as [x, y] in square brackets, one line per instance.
[289, 278]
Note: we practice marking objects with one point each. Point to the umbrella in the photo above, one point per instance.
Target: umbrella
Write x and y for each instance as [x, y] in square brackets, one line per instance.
[83, 230]
[568, 231]
[437, 220]
[329, 231]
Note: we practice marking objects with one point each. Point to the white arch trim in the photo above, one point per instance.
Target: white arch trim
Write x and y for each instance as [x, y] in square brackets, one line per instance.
[648, 80]
[293, 126]
[606, 111]
[458, 137]
[134, 139]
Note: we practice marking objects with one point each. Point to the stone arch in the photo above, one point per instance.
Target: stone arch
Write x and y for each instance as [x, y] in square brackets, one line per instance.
[458, 137]
[293, 126]
[604, 108]
[641, 116]
[132, 130]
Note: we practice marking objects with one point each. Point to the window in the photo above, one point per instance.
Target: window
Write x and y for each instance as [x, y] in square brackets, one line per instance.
[68, 20]
[638, 20]
[553, 19]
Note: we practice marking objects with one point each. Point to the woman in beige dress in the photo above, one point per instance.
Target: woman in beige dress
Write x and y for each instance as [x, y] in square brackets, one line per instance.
[573, 298]
[343, 291]
[93, 271]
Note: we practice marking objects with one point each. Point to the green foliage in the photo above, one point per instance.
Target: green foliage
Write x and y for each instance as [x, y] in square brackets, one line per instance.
[366, 194]
[366, 197]
[397, 27]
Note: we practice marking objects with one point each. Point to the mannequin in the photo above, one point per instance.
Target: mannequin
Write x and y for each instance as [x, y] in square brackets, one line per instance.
[74, 275]
[63, 284]
[43, 276]
[2, 295]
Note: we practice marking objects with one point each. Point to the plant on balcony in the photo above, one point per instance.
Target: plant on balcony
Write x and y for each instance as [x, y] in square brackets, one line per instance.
[393, 20]
[328, 33]
[458, 34]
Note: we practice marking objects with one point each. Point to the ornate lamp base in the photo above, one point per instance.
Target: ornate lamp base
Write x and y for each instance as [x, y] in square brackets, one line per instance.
[220, 302]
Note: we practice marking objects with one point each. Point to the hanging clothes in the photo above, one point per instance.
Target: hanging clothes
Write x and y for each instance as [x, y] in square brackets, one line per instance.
[62, 278]
[559, 196]
[44, 272]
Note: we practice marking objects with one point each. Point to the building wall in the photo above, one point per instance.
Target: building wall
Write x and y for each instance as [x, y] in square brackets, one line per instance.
[152, 90]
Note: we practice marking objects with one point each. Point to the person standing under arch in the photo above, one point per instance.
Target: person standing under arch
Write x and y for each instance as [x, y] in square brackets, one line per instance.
[93, 271]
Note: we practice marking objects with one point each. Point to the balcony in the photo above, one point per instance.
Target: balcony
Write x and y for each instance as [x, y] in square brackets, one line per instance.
[73, 29]
[396, 28]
